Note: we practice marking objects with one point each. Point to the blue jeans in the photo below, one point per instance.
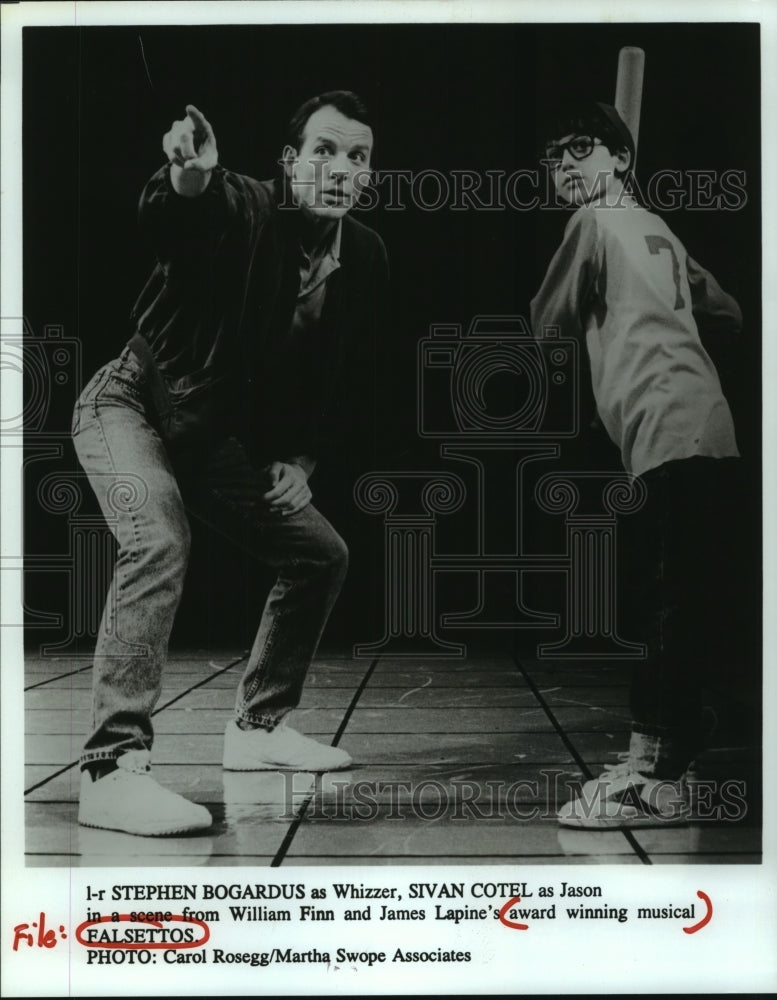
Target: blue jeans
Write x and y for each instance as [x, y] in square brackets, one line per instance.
[143, 496]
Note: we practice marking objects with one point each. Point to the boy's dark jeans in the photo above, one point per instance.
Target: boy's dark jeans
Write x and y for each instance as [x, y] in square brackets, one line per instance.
[680, 566]
[140, 496]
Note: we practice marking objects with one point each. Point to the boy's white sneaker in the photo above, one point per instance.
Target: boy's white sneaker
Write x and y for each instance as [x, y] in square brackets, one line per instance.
[130, 800]
[621, 798]
[283, 748]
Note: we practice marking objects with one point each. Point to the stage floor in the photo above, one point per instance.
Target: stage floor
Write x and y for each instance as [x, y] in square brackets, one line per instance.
[455, 762]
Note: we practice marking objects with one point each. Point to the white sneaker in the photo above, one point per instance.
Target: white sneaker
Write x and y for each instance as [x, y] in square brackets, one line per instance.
[128, 799]
[283, 748]
[621, 798]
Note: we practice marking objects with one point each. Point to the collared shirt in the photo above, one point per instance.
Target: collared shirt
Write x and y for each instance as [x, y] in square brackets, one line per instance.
[314, 270]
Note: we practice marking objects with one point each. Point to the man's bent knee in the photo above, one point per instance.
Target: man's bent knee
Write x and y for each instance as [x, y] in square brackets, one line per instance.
[168, 549]
[340, 554]
[332, 553]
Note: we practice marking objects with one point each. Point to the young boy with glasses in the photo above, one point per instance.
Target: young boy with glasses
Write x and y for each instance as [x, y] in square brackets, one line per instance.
[623, 281]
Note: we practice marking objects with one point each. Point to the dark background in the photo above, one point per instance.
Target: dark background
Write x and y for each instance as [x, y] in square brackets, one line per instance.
[97, 103]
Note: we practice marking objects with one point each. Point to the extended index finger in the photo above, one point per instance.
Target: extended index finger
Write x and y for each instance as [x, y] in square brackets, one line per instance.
[199, 119]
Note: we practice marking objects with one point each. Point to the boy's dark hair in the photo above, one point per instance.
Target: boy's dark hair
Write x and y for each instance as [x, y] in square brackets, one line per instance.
[344, 101]
[592, 118]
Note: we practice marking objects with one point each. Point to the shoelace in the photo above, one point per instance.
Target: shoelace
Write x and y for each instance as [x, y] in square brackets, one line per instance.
[624, 768]
[621, 769]
[136, 761]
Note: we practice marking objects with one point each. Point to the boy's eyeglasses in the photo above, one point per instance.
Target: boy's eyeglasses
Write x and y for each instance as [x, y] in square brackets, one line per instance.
[579, 147]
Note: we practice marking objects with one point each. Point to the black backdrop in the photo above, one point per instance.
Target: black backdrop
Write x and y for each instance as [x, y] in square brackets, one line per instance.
[446, 97]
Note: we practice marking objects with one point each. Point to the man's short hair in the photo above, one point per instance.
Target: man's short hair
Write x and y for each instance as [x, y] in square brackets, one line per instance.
[345, 101]
[592, 118]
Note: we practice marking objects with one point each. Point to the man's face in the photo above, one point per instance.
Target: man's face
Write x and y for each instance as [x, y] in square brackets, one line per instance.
[333, 166]
[584, 169]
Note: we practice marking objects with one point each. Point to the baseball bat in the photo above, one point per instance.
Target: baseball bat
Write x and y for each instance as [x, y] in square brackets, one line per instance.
[628, 88]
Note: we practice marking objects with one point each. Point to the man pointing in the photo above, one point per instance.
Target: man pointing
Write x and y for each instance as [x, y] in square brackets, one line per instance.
[252, 339]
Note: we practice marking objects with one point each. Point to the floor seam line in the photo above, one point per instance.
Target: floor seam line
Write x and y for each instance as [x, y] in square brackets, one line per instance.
[58, 677]
[633, 842]
[296, 823]
[156, 711]
[199, 684]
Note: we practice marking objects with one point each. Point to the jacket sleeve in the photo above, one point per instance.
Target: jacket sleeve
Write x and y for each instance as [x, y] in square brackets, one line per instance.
[569, 279]
[186, 233]
[714, 310]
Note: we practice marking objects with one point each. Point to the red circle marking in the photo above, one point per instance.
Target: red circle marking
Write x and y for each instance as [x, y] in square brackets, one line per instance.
[126, 917]
[511, 923]
[705, 919]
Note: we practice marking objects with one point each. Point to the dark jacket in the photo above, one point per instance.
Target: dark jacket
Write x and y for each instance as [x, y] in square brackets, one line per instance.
[217, 311]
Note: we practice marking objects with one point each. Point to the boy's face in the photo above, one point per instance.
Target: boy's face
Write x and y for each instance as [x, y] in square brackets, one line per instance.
[584, 169]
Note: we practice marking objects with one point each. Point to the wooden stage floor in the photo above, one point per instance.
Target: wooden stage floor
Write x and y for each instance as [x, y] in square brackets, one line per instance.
[455, 762]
